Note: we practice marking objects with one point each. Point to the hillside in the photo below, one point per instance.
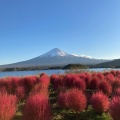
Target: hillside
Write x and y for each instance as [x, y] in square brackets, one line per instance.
[75, 66]
[114, 63]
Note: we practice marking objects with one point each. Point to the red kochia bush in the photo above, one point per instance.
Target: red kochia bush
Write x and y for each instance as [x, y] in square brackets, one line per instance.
[87, 80]
[116, 83]
[37, 108]
[109, 77]
[72, 99]
[79, 83]
[100, 102]
[105, 87]
[39, 89]
[7, 106]
[100, 76]
[28, 82]
[53, 78]
[94, 83]
[69, 79]
[44, 80]
[114, 108]
[20, 92]
[116, 93]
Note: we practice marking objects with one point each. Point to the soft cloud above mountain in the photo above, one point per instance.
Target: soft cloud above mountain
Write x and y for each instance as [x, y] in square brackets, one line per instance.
[85, 56]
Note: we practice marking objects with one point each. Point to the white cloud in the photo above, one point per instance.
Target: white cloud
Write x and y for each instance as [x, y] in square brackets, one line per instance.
[85, 56]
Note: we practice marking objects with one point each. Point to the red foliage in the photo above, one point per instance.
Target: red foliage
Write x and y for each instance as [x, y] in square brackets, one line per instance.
[37, 108]
[69, 79]
[82, 76]
[100, 102]
[7, 106]
[113, 72]
[105, 87]
[42, 74]
[20, 92]
[39, 89]
[87, 80]
[8, 84]
[94, 83]
[72, 99]
[100, 76]
[117, 92]
[44, 80]
[109, 77]
[62, 100]
[75, 81]
[116, 84]
[53, 78]
[3, 90]
[28, 82]
[114, 108]
[79, 83]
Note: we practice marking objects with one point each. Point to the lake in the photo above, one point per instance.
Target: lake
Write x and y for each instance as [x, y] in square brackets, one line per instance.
[49, 72]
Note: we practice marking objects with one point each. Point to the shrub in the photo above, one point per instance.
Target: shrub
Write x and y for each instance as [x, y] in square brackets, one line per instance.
[7, 106]
[117, 92]
[116, 84]
[87, 80]
[100, 102]
[37, 108]
[20, 93]
[72, 99]
[109, 77]
[94, 83]
[39, 89]
[80, 84]
[69, 79]
[3, 90]
[62, 100]
[105, 87]
[114, 108]
[100, 76]
[54, 80]
[28, 82]
[44, 80]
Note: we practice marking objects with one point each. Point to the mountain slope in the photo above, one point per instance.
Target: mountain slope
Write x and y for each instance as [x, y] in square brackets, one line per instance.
[55, 57]
[113, 63]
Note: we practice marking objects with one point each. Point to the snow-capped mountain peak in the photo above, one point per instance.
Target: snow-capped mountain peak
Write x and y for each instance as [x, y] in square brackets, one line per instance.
[55, 52]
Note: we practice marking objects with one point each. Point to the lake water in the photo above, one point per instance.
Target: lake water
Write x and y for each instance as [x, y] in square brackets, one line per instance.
[49, 72]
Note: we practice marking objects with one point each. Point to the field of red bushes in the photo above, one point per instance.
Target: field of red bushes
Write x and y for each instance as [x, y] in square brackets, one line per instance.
[83, 96]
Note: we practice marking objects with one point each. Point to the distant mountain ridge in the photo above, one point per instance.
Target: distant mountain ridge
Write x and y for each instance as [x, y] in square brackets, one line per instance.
[114, 63]
[55, 57]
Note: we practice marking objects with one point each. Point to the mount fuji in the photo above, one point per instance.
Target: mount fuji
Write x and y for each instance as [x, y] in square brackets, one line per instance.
[56, 57]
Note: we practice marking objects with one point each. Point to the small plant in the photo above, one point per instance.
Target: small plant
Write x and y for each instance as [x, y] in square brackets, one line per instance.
[116, 92]
[114, 109]
[37, 108]
[105, 87]
[80, 84]
[94, 83]
[100, 102]
[73, 99]
[20, 93]
[7, 106]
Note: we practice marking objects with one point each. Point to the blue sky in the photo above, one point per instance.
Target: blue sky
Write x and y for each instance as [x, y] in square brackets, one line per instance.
[29, 28]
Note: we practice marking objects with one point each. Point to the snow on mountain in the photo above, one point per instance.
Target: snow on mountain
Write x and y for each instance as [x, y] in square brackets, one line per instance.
[55, 52]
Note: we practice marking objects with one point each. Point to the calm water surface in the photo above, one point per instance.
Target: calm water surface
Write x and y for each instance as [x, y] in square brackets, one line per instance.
[49, 72]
